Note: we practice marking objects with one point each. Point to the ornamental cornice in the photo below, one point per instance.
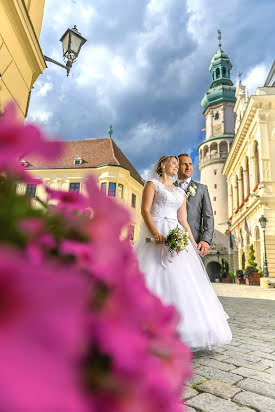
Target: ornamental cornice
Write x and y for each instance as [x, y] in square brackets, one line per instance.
[256, 103]
[249, 213]
[22, 25]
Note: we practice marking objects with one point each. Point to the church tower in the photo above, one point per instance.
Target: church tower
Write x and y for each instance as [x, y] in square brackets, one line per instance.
[218, 104]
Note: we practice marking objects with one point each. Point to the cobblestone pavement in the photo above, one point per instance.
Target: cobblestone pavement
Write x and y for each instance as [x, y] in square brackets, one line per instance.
[239, 376]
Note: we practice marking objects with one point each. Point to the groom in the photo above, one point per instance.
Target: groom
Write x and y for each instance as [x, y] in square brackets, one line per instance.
[199, 209]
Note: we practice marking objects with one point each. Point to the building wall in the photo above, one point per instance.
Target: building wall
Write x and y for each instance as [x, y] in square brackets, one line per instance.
[21, 58]
[250, 171]
[61, 178]
[225, 122]
[213, 153]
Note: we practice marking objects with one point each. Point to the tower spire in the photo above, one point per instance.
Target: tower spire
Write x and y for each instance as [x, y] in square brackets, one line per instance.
[220, 38]
[110, 131]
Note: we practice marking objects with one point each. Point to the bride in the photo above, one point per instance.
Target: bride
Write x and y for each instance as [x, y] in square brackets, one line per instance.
[181, 280]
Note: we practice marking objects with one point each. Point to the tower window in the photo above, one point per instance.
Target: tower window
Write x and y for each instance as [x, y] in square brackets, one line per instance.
[218, 73]
[217, 116]
[215, 212]
[215, 171]
[215, 186]
[214, 199]
[223, 72]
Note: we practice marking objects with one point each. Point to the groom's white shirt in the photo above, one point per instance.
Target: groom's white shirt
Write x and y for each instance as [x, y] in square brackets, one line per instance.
[184, 183]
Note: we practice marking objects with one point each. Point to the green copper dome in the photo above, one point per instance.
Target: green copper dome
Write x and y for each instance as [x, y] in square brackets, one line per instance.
[221, 88]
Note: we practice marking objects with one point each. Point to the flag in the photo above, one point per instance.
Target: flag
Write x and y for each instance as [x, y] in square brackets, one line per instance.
[238, 234]
[203, 130]
[241, 234]
[246, 228]
[235, 237]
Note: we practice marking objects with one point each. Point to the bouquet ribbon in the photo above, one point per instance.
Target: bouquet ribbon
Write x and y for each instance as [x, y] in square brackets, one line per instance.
[164, 256]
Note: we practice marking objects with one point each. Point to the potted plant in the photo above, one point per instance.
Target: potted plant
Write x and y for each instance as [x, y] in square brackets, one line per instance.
[232, 276]
[225, 272]
[243, 261]
[252, 274]
[240, 277]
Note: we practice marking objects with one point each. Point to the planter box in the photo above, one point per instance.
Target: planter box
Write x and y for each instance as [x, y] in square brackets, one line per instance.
[227, 279]
[253, 279]
[240, 281]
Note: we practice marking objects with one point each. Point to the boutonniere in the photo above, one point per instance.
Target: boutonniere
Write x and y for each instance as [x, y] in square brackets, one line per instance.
[191, 191]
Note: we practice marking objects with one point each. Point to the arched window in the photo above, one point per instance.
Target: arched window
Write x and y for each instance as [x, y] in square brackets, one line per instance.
[241, 186]
[236, 192]
[223, 72]
[223, 147]
[213, 149]
[218, 73]
[205, 152]
[217, 116]
[248, 175]
[257, 166]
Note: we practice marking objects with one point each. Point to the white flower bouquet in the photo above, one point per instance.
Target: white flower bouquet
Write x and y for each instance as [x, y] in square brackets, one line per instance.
[176, 240]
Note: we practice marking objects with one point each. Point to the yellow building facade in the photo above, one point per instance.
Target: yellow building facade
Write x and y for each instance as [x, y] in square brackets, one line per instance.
[102, 158]
[250, 171]
[21, 58]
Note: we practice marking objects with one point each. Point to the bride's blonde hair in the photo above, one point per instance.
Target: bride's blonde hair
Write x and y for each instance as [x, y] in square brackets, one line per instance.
[163, 159]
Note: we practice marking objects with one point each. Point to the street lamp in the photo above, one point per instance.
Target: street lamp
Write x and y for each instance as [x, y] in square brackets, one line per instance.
[263, 221]
[72, 41]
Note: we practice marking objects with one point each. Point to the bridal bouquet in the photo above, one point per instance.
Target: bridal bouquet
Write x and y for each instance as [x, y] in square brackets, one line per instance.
[176, 240]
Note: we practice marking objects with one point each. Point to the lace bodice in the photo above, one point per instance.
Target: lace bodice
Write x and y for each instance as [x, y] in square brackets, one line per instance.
[166, 201]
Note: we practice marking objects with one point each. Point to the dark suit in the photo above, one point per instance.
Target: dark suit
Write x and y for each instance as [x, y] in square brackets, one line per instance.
[200, 214]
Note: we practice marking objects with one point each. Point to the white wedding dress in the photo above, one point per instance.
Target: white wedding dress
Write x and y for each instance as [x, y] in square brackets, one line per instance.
[181, 280]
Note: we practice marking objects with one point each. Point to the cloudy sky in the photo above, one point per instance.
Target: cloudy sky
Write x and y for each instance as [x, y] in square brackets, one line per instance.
[144, 69]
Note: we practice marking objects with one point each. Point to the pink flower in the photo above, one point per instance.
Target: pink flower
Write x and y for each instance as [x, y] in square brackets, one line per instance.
[68, 200]
[42, 335]
[18, 140]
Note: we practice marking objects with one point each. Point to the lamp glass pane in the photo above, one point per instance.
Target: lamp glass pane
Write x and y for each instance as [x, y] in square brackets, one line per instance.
[65, 43]
[76, 42]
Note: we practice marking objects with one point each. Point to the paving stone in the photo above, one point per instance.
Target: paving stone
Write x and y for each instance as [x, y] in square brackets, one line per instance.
[218, 388]
[249, 346]
[219, 357]
[250, 357]
[250, 373]
[196, 379]
[267, 362]
[210, 403]
[264, 355]
[261, 403]
[214, 364]
[212, 373]
[188, 393]
[247, 364]
[271, 370]
[262, 388]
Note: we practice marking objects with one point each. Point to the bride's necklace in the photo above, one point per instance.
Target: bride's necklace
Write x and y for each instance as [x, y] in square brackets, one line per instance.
[167, 187]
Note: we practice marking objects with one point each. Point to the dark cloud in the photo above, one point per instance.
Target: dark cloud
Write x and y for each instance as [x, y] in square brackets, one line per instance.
[144, 69]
